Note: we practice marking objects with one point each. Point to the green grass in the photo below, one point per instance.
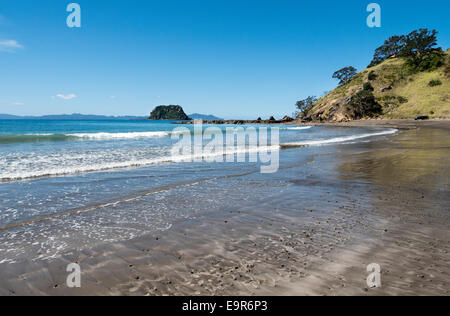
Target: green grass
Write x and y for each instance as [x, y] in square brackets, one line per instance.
[423, 99]
[411, 94]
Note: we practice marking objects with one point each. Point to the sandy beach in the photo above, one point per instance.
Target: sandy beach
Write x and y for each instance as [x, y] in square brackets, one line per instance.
[224, 156]
[384, 202]
[403, 124]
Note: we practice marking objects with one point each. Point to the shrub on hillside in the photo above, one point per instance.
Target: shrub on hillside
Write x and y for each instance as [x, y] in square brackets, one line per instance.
[431, 61]
[402, 100]
[363, 104]
[372, 76]
[368, 87]
[434, 83]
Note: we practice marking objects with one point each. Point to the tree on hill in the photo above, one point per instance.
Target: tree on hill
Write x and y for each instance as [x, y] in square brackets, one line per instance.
[344, 75]
[420, 50]
[306, 104]
[418, 47]
[303, 106]
[418, 43]
[393, 46]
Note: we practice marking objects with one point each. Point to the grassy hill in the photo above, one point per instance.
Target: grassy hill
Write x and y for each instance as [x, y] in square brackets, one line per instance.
[400, 92]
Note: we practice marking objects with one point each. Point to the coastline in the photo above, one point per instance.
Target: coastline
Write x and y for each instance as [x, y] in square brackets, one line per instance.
[403, 124]
[382, 202]
[390, 123]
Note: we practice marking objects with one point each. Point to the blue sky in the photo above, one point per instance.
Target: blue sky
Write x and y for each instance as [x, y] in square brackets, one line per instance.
[231, 58]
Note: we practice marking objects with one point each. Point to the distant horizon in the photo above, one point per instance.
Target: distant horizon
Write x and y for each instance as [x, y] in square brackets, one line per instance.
[236, 59]
[3, 115]
[229, 117]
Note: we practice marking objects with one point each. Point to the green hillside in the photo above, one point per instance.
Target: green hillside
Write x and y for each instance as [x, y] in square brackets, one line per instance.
[402, 93]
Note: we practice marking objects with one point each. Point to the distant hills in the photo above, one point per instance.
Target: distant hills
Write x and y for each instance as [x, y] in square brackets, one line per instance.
[8, 117]
[204, 117]
[85, 117]
[71, 117]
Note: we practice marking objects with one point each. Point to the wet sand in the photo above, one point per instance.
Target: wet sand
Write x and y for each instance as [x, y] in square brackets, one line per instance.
[403, 124]
[384, 202]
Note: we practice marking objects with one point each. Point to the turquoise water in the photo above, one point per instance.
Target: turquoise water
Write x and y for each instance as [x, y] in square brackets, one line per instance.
[67, 185]
[22, 131]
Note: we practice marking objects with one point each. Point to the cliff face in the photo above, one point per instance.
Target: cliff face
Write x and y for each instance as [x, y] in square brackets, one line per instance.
[400, 93]
[168, 112]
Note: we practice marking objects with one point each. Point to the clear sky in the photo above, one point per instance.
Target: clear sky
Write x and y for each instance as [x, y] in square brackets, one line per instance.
[231, 58]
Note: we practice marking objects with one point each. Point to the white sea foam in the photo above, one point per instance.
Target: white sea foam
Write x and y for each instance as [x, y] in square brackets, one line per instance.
[58, 168]
[69, 163]
[106, 136]
[136, 135]
[133, 135]
[298, 128]
[342, 139]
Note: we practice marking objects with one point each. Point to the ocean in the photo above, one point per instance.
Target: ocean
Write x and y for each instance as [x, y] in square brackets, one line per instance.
[71, 185]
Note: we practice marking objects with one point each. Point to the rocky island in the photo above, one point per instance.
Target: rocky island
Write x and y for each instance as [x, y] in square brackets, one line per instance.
[169, 113]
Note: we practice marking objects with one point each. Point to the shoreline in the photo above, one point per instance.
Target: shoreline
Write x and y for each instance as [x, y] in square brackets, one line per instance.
[382, 202]
[236, 122]
[403, 124]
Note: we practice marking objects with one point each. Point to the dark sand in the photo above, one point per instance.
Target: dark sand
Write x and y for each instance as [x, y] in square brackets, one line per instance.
[384, 202]
[399, 123]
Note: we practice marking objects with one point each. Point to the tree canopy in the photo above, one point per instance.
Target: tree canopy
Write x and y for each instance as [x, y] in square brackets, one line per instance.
[303, 106]
[417, 47]
[393, 46]
[344, 75]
